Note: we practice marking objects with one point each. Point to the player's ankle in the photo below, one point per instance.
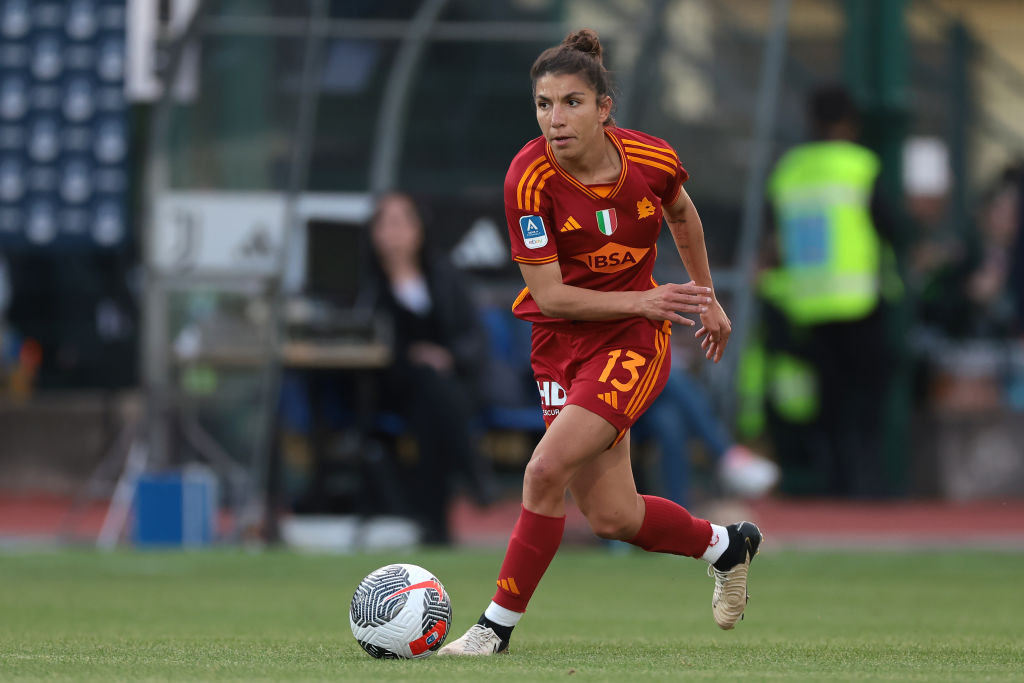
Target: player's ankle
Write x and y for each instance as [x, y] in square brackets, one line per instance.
[735, 553]
[503, 632]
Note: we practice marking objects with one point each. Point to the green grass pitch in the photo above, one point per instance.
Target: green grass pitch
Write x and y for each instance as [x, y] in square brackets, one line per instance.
[226, 615]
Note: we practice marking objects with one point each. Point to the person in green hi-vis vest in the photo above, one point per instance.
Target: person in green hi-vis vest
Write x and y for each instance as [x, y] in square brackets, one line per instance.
[831, 235]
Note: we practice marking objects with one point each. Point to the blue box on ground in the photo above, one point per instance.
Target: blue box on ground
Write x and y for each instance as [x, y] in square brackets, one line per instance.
[176, 508]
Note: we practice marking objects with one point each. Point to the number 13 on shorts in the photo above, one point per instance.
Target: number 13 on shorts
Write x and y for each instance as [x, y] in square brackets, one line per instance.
[630, 364]
[630, 380]
[616, 380]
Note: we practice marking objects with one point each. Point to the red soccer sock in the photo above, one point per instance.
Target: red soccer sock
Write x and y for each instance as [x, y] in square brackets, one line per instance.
[669, 528]
[534, 542]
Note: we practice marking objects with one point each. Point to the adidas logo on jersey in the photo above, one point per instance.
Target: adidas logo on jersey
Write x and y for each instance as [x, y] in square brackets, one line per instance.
[570, 224]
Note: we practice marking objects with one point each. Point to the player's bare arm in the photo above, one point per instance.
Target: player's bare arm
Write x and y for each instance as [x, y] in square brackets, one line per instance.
[558, 300]
[688, 234]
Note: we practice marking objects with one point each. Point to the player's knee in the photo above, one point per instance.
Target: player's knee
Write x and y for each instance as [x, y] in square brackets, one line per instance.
[611, 527]
[544, 478]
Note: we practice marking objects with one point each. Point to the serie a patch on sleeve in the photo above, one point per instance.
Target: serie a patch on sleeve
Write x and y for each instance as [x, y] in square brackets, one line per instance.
[534, 234]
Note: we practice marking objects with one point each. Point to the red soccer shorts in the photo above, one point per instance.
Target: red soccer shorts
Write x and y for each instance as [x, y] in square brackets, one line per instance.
[614, 369]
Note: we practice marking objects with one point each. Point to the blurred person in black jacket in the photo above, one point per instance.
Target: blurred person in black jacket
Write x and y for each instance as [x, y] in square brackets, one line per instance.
[976, 290]
[438, 349]
[1017, 255]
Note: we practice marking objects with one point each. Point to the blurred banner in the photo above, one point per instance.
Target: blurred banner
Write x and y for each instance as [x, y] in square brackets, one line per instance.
[224, 233]
[63, 124]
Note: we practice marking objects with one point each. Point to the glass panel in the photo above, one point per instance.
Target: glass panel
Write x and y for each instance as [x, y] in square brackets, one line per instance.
[237, 133]
[249, 9]
[351, 90]
[374, 9]
[510, 10]
[471, 113]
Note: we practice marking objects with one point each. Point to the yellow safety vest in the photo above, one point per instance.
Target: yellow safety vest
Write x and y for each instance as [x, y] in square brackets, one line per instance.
[830, 250]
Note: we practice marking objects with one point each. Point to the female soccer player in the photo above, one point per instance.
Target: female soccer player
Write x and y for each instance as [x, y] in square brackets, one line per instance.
[584, 203]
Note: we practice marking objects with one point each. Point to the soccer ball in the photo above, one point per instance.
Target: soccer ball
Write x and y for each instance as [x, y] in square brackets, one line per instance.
[400, 611]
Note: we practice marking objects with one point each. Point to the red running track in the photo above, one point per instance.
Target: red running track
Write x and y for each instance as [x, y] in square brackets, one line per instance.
[787, 523]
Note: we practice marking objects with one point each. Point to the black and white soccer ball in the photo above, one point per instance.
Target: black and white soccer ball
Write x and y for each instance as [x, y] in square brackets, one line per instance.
[400, 611]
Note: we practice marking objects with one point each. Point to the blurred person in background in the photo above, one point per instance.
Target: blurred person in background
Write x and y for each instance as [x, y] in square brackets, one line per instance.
[438, 347]
[585, 202]
[988, 287]
[683, 413]
[831, 229]
[1017, 256]
[975, 289]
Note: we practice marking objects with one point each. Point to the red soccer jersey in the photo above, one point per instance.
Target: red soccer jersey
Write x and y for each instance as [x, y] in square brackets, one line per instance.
[603, 239]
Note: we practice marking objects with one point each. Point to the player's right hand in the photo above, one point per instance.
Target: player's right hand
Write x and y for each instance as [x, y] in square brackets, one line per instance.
[670, 301]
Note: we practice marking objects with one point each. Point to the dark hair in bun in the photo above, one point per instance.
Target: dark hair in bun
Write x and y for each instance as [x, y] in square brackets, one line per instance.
[580, 53]
[585, 40]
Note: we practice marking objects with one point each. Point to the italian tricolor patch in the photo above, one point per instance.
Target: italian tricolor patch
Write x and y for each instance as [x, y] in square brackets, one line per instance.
[606, 221]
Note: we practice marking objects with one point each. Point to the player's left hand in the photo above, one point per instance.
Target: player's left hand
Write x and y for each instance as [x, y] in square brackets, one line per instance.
[715, 329]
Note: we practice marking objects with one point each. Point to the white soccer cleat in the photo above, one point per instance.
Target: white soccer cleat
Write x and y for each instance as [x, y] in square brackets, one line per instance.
[730, 596]
[478, 641]
[746, 473]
